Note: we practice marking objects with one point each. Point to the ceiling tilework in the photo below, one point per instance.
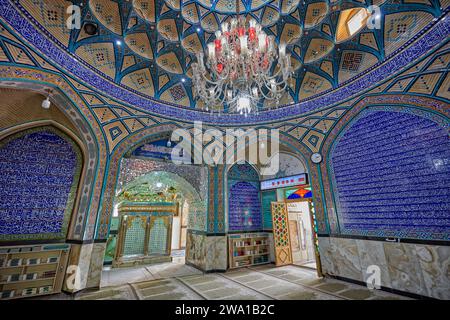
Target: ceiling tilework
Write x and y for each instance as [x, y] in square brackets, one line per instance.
[354, 62]
[317, 49]
[108, 14]
[19, 55]
[100, 55]
[145, 9]
[52, 15]
[312, 84]
[3, 56]
[119, 121]
[139, 43]
[400, 85]
[400, 27]
[139, 80]
[104, 114]
[444, 90]
[315, 13]
[142, 42]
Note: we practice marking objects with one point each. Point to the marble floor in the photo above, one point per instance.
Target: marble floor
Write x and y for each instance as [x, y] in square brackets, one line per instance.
[311, 265]
[120, 276]
[177, 281]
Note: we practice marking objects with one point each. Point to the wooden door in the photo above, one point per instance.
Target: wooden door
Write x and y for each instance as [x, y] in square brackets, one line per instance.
[282, 244]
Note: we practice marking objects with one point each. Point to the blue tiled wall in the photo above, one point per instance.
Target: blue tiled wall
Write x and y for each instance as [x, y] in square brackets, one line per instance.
[267, 198]
[244, 206]
[391, 176]
[36, 177]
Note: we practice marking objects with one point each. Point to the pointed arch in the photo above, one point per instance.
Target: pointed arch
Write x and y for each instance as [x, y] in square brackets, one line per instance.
[41, 169]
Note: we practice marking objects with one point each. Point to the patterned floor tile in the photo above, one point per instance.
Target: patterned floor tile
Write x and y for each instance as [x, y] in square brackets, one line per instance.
[218, 287]
[167, 289]
[114, 293]
[180, 282]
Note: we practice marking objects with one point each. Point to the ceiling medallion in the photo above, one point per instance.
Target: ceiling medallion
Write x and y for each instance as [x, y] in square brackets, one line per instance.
[241, 68]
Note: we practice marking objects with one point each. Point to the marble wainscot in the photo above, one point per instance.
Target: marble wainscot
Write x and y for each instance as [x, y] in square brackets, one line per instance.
[216, 253]
[196, 250]
[411, 268]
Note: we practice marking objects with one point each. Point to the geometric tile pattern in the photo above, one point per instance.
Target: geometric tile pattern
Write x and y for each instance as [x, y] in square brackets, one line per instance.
[280, 225]
[131, 40]
[282, 243]
[351, 61]
[134, 238]
[133, 89]
[158, 236]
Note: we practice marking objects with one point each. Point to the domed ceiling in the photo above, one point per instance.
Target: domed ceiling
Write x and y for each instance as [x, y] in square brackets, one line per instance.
[148, 46]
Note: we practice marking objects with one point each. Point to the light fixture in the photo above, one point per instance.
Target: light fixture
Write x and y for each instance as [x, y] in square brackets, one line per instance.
[242, 67]
[169, 143]
[118, 42]
[46, 103]
[90, 29]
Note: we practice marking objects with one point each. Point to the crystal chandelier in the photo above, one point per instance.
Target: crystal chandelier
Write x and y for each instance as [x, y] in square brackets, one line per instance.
[241, 68]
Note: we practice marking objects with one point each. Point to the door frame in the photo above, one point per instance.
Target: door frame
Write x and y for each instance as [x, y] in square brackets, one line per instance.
[181, 215]
[313, 229]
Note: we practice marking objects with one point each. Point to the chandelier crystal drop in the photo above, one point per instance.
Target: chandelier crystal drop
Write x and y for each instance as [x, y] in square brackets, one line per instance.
[242, 67]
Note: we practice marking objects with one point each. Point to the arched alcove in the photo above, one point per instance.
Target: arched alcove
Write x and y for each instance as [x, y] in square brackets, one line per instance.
[289, 165]
[159, 182]
[41, 169]
[390, 175]
[244, 206]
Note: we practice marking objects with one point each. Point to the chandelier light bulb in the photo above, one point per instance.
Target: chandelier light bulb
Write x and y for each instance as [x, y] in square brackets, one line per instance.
[262, 42]
[243, 42]
[282, 50]
[211, 50]
[225, 27]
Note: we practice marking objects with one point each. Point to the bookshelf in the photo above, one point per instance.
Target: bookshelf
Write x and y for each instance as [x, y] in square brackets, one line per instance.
[248, 249]
[32, 270]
